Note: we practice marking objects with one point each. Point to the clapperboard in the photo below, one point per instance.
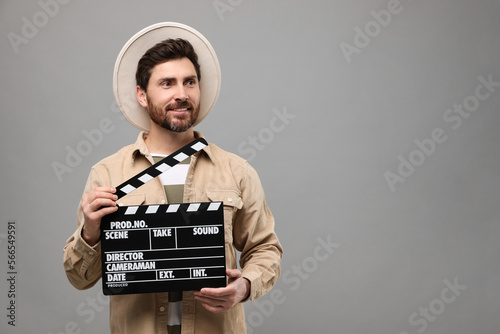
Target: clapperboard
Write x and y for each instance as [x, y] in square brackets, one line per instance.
[161, 248]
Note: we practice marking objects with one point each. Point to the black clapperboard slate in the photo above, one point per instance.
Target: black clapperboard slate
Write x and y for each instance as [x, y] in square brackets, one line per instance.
[162, 248]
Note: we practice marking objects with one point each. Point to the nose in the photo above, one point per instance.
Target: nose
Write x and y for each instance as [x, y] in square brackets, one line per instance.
[181, 93]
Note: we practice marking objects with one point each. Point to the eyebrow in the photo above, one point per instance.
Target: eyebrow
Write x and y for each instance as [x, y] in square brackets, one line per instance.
[191, 77]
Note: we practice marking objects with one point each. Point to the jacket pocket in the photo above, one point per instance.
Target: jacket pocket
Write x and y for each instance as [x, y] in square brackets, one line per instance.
[231, 199]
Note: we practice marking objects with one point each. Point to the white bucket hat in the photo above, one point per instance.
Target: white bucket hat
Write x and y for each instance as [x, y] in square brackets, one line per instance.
[124, 84]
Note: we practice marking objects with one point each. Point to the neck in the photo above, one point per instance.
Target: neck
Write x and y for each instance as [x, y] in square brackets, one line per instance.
[162, 141]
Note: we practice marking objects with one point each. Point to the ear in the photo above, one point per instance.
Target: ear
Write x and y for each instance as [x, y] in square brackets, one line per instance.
[141, 96]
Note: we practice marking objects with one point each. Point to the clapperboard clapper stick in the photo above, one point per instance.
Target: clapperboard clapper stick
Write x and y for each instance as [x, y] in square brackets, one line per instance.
[164, 247]
[161, 166]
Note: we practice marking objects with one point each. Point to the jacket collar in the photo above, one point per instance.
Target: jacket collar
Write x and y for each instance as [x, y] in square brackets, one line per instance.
[140, 147]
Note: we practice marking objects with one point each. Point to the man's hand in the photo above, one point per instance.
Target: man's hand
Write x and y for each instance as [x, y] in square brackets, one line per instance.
[96, 204]
[222, 299]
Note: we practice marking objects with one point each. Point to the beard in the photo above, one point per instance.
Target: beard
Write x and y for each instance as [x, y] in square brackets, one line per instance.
[175, 123]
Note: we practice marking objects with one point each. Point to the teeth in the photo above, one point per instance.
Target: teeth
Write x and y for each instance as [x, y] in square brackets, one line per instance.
[184, 109]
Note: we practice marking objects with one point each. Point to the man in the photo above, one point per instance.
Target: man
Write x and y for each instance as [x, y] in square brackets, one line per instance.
[176, 85]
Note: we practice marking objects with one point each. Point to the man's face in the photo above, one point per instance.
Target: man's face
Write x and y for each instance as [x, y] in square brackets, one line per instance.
[173, 95]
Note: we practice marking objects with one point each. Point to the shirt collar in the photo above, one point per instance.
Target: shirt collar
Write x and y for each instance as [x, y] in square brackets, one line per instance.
[141, 148]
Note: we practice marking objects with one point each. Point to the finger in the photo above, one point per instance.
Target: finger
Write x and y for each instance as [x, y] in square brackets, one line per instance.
[233, 275]
[219, 298]
[214, 309]
[95, 207]
[106, 210]
[101, 195]
[211, 300]
[99, 203]
[98, 193]
[110, 190]
[217, 293]
[207, 300]
[99, 208]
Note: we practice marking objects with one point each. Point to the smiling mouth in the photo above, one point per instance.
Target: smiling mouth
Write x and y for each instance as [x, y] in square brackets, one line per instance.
[180, 109]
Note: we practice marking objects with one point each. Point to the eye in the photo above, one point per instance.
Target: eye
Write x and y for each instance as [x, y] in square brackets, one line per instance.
[191, 82]
[165, 84]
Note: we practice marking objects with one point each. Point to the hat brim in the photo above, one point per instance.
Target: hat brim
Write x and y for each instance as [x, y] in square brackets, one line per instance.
[124, 83]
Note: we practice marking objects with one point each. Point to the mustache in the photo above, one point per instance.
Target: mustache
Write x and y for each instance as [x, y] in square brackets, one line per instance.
[180, 105]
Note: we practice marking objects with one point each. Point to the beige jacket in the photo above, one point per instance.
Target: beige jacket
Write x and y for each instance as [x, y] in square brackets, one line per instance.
[214, 175]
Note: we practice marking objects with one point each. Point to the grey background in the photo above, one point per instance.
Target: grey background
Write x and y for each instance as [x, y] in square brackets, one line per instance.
[395, 250]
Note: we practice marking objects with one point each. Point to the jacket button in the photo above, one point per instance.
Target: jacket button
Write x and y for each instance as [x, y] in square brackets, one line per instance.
[162, 309]
[229, 199]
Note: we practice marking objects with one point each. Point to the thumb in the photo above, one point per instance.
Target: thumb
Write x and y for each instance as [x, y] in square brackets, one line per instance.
[233, 274]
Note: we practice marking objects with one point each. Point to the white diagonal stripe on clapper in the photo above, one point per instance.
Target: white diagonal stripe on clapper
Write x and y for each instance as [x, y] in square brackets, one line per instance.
[173, 208]
[198, 146]
[180, 157]
[163, 167]
[193, 207]
[145, 178]
[152, 209]
[131, 210]
[128, 188]
[213, 206]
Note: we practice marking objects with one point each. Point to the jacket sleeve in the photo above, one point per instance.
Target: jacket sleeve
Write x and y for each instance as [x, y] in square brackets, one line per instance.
[82, 262]
[255, 238]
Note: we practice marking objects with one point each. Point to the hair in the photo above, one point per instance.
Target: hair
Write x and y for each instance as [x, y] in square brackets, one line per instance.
[162, 52]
